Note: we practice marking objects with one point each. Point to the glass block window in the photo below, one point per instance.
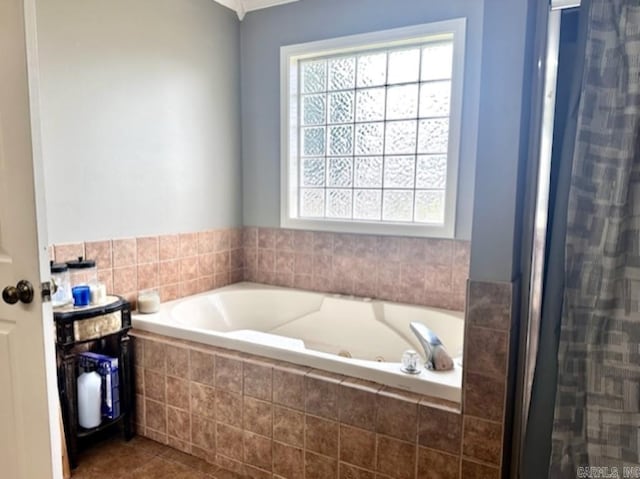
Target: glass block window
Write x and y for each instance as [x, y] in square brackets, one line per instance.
[370, 133]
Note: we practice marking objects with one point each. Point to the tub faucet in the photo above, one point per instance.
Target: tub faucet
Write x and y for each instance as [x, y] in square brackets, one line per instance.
[436, 356]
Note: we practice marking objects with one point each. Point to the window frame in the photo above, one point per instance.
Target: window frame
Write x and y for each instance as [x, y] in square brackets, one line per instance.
[290, 55]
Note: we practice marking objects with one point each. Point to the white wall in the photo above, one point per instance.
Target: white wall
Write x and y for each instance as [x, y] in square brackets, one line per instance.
[140, 117]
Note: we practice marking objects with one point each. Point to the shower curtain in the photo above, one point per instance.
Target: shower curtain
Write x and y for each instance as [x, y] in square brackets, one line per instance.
[596, 418]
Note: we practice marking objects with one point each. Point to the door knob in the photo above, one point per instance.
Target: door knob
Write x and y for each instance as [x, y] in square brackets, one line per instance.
[23, 291]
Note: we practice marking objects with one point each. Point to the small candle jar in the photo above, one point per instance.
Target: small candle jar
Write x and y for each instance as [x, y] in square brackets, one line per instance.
[148, 301]
[98, 293]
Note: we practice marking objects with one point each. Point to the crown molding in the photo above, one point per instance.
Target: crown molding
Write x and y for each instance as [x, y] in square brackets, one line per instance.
[242, 7]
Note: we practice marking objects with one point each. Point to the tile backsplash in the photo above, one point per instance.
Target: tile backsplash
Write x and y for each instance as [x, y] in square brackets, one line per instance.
[429, 272]
[177, 265]
[424, 271]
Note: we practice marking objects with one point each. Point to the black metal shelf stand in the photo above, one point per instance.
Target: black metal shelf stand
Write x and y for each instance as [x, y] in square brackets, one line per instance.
[115, 343]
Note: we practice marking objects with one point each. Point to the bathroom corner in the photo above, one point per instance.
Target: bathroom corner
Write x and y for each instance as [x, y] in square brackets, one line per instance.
[166, 171]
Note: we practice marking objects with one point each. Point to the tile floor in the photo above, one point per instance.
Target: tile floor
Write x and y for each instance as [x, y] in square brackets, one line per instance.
[142, 458]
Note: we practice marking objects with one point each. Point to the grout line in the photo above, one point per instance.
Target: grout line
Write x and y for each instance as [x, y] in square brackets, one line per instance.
[479, 461]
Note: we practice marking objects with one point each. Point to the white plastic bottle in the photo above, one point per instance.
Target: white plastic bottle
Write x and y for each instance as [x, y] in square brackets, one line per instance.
[89, 399]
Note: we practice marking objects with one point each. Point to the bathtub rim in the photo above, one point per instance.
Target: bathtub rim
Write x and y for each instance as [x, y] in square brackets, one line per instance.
[445, 385]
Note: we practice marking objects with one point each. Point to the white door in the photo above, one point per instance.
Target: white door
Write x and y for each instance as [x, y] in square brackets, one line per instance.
[29, 430]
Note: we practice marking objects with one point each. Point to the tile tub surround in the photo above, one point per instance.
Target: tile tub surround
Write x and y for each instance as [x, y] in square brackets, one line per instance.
[177, 265]
[270, 419]
[423, 271]
[489, 363]
[265, 418]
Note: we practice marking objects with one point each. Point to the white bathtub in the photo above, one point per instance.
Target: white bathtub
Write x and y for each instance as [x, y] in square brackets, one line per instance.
[316, 330]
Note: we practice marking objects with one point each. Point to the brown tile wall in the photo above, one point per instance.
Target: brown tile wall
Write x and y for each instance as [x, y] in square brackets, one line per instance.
[430, 272]
[270, 419]
[488, 328]
[177, 265]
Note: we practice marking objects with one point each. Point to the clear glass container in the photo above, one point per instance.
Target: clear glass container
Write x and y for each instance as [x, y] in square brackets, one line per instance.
[83, 272]
[62, 280]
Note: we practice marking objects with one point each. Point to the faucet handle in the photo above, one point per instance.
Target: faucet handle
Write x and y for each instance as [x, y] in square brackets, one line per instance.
[411, 362]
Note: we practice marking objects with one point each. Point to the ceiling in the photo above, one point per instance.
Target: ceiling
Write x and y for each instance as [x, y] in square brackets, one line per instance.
[241, 7]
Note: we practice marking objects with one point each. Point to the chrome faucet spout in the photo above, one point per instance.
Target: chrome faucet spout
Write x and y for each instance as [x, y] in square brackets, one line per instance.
[436, 356]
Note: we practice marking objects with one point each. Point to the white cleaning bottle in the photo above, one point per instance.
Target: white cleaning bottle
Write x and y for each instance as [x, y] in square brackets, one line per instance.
[89, 399]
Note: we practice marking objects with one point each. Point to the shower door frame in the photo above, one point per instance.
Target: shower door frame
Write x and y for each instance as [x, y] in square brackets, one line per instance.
[544, 85]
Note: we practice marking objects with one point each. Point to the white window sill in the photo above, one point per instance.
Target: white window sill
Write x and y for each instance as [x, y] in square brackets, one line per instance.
[372, 228]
